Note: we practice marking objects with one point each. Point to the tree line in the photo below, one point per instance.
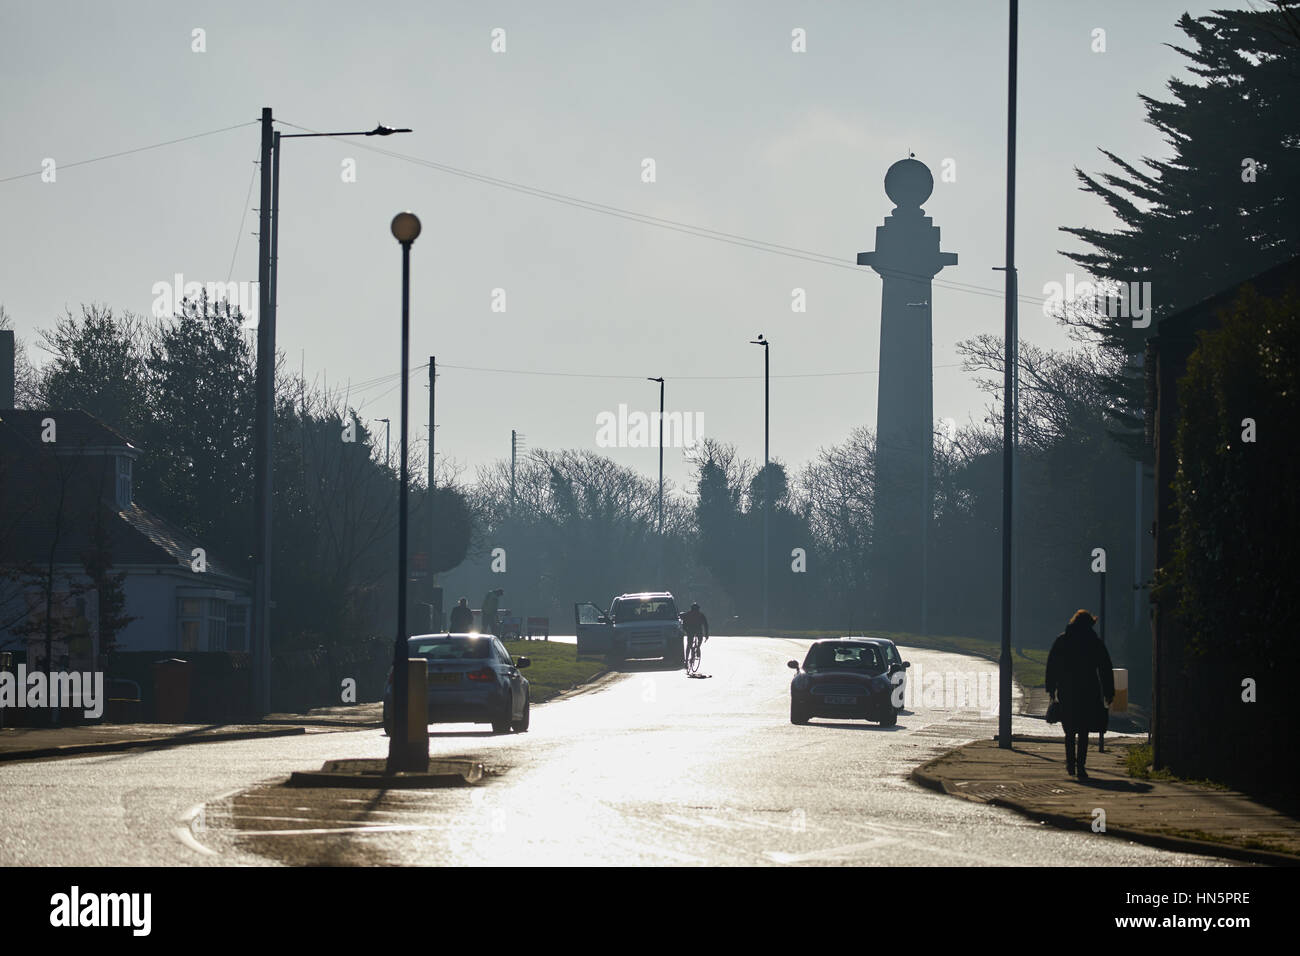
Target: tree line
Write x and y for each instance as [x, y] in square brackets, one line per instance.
[573, 525]
[183, 391]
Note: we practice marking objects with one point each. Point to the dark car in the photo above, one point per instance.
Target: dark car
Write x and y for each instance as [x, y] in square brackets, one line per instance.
[472, 679]
[848, 678]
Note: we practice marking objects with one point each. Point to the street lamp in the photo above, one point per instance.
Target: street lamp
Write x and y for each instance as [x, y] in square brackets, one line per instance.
[263, 458]
[767, 472]
[387, 423]
[661, 473]
[406, 227]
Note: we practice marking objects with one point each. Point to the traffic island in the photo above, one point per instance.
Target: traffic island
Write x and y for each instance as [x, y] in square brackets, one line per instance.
[373, 775]
[1029, 777]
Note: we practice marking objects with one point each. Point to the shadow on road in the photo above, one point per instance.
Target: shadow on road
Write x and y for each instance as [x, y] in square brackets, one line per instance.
[856, 725]
[642, 666]
[461, 733]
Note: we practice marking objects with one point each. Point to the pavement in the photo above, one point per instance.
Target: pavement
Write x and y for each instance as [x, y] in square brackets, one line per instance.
[33, 743]
[1030, 777]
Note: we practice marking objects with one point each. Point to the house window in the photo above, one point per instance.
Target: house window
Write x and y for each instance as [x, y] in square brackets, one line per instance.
[191, 624]
[236, 627]
[216, 624]
[212, 624]
[123, 481]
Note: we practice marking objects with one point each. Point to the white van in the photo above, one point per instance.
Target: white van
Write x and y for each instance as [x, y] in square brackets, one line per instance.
[637, 626]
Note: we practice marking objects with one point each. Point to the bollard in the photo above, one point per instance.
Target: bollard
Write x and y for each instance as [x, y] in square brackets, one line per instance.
[1120, 704]
[416, 758]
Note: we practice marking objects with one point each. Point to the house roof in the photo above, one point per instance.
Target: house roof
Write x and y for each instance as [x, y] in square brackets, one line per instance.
[28, 532]
[154, 533]
[136, 536]
[74, 428]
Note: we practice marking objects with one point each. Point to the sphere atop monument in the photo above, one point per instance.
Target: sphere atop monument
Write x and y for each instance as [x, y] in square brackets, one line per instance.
[908, 183]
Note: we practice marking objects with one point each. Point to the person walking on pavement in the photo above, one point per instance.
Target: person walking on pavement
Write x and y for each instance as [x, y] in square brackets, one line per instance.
[462, 618]
[491, 602]
[1080, 677]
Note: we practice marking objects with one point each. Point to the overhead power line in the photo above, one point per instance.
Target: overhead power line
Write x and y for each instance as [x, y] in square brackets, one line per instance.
[675, 378]
[383, 380]
[129, 152]
[243, 216]
[702, 232]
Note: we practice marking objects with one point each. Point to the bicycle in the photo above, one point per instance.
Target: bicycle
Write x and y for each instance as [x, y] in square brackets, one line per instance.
[693, 654]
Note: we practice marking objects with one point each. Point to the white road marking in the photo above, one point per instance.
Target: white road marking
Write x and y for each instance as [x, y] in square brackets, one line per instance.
[318, 831]
[185, 832]
[831, 853]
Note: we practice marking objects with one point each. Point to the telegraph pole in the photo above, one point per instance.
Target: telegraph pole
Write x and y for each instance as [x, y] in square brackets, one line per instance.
[263, 458]
[661, 461]
[1008, 391]
[767, 478]
[264, 410]
[433, 483]
[434, 592]
[767, 472]
[660, 565]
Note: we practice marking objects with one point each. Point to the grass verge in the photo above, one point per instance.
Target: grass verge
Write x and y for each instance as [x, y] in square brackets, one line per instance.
[1138, 763]
[555, 667]
[1261, 842]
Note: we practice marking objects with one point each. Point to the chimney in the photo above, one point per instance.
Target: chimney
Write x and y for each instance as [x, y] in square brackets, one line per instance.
[6, 369]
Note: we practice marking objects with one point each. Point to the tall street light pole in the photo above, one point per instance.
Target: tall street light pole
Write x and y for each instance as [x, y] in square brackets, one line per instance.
[1008, 391]
[767, 472]
[661, 474]
[406, 227]
[433, 376]
[263, 441]
[435, 625]
[387, 424]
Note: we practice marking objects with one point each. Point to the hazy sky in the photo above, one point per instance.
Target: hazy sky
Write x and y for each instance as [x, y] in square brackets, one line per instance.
[748, 138]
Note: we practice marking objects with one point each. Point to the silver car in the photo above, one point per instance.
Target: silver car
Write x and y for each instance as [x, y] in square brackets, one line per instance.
[472, 679]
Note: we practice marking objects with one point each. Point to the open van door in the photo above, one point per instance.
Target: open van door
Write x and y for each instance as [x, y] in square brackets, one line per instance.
[594, 630]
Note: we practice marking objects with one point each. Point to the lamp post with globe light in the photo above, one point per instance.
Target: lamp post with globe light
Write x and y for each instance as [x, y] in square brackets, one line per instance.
[406, 228]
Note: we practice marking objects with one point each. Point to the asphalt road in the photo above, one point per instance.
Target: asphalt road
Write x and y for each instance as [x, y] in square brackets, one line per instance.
[651, 768]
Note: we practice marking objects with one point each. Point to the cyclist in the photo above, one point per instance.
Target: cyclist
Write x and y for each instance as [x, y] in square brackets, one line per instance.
[696, 626]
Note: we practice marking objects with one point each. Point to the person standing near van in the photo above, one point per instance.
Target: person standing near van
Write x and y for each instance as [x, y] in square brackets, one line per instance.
[462, 618]
[491, 602]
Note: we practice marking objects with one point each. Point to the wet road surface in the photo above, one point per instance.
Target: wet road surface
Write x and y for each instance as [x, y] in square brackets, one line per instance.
[651, 768]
